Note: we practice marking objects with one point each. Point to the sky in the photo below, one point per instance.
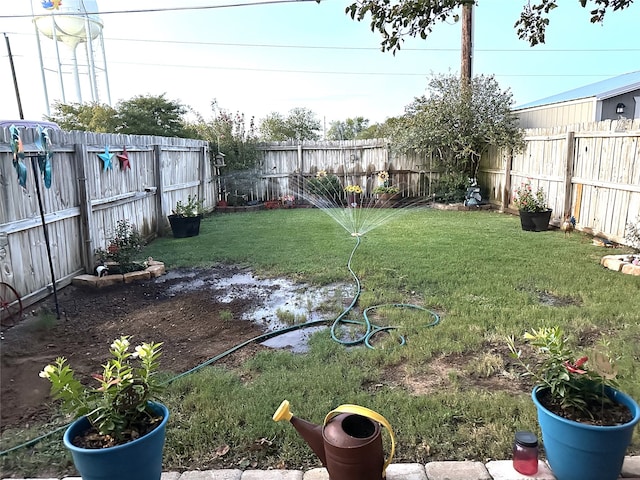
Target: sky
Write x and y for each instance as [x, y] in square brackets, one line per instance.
[263, 58]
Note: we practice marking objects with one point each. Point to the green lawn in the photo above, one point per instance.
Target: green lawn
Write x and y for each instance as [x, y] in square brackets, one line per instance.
[450, 392]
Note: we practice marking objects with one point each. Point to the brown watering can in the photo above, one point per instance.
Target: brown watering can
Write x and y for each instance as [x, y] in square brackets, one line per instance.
[349, 444]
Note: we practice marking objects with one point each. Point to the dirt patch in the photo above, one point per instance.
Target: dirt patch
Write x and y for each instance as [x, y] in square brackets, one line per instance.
[194, 325]
[484, 371]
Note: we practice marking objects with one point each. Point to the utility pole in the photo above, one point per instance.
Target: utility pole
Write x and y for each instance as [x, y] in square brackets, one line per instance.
[15, 79]
[467, 47]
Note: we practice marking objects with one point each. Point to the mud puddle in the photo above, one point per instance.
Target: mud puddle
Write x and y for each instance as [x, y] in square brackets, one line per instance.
[279, 303]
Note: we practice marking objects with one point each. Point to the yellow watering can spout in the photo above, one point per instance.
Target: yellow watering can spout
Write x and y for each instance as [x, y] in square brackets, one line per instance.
[311, 433]
[283, 412]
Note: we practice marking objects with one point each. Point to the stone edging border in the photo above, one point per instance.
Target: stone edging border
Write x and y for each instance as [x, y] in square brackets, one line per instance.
[620, 263]
[153, 270]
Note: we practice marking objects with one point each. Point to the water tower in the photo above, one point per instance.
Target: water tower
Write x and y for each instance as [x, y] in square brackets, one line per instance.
[74, 24]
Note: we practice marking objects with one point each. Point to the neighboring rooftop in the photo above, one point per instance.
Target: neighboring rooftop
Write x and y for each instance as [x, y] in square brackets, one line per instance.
[600, 90]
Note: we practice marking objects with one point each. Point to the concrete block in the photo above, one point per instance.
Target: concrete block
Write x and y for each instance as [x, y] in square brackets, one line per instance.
[85, 280]
[406, 471]
[170, 476]
[503, 470]
[316, 474]
[109, 280]
[456, 471]
[230, 474]
[631, 467]
[612, 262]
[272, 475]
[135, 276]
[156, 270]
[631, 269]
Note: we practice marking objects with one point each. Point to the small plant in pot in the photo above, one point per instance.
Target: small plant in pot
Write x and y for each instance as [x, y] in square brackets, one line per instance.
[586, 422]
[120, 428]
[384, 186]
[186, 216]
[532, 207]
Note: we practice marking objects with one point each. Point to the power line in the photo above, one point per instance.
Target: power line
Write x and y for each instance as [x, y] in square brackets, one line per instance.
[330, 72]
[170, 9]
[339, 47]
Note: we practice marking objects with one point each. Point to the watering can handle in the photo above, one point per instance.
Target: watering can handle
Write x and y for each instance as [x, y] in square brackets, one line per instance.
[365, 412]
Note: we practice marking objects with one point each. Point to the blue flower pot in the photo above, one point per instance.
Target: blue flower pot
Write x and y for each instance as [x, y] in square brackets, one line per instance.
[140, 459]
[578, 451]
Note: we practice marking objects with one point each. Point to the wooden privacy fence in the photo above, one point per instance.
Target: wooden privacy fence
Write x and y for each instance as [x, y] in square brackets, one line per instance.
[355, 162]
[590, 171]
[86, 200]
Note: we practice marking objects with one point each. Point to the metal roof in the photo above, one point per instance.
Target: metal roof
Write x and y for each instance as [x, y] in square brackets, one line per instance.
[600, 90]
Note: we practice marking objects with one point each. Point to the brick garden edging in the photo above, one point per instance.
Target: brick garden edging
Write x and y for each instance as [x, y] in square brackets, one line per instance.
[154, 269]
[621, 263]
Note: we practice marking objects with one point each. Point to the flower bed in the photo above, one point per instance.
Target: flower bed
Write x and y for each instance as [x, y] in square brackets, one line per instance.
[154, 269]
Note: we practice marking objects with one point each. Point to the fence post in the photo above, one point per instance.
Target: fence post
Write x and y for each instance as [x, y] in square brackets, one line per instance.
[86, 210]
[160, 221]
[506, 191]
[202, 167]
[566, 210]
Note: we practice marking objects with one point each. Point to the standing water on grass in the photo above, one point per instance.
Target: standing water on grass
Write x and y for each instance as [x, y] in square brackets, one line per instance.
[279, 303]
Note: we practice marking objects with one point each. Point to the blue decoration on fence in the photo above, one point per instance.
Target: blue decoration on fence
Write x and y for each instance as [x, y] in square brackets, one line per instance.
[18, 155]
[106, 158]
[45, 154]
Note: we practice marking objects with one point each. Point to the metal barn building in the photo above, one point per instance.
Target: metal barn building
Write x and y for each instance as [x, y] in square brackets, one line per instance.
[611, 99]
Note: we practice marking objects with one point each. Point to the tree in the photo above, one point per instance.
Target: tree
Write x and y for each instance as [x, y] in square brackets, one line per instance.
[379, 130]
[230, 134]
[152, 115]
[141, 115]
[273, 128]
[396, 20]
[300, 124]
[349, 129]
[457, 127]
[92, 117]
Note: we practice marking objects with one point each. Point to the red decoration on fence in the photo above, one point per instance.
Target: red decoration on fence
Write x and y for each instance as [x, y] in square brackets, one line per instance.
[124, 159]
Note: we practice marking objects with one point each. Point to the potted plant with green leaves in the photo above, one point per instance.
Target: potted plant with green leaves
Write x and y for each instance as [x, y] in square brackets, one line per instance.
[186, 216]
[384, 186]
[120, 254]
[354, 193]
[586, 422]
[324, 189]
[532, 207]
[119, 430]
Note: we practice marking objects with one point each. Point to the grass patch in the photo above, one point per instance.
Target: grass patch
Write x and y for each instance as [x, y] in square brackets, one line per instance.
[449, 393]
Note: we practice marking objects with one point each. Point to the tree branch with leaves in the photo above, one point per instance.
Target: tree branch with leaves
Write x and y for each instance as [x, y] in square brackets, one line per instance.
[417, 18]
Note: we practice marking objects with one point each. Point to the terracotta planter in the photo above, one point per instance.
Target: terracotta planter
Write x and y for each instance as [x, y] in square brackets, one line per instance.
[535, 221]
